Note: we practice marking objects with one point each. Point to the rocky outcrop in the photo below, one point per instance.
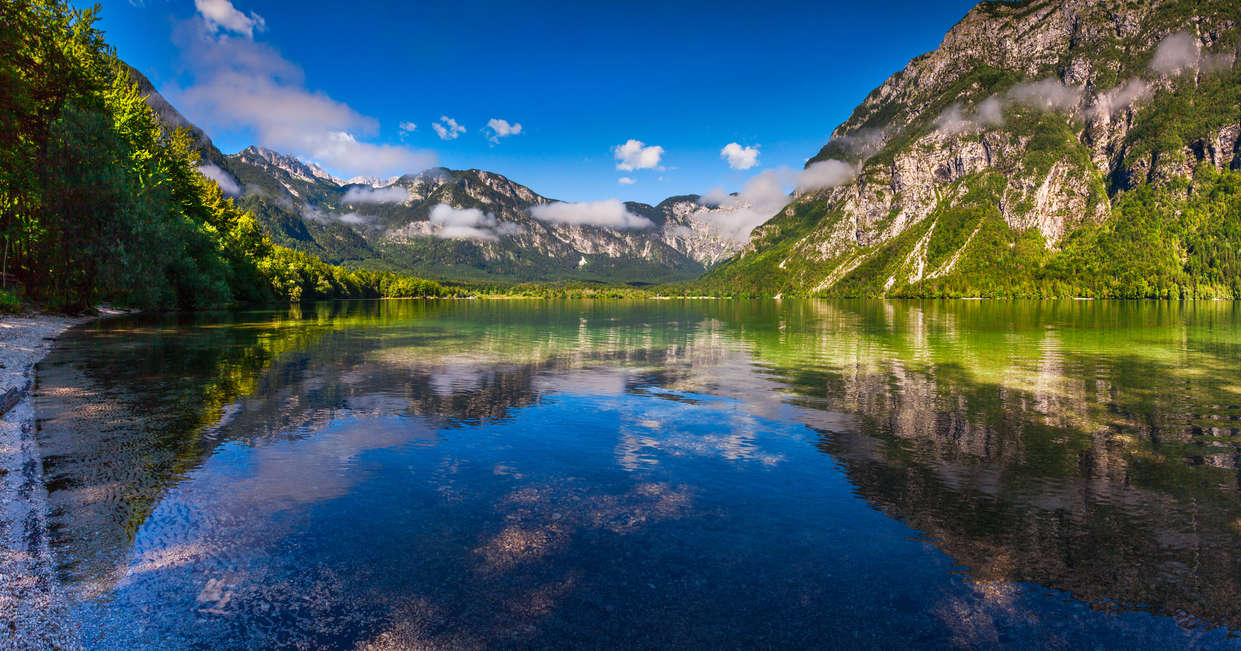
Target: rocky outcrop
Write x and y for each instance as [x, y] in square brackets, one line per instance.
[1054, 98]
[290, 165]
[691, 228]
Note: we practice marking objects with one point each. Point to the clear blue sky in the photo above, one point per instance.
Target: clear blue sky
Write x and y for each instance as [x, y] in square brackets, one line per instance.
[580, 78]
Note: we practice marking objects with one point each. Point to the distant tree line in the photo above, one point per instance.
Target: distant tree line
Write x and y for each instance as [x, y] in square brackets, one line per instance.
[99, 202]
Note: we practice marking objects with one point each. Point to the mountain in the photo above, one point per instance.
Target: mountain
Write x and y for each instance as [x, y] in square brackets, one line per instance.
[1046, 148]
[171, 118]
[486, 228]
[470, 224]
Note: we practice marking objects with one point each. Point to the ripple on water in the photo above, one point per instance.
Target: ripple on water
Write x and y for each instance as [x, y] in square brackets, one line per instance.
[652, 474]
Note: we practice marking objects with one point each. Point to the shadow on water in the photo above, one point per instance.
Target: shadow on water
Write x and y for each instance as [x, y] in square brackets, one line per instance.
[659, 473]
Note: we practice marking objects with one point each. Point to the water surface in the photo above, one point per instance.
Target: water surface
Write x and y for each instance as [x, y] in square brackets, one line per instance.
[653, 474]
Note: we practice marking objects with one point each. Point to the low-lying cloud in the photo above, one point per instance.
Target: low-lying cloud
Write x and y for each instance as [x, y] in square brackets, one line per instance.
[1175, 53]
[1182, 52]
[735, 216]
[864, 142]
[1046, 95]
[636, 155]
[609, 213]
[390, 194]
[314, 214]
[228, 185]
[823, 175]
[738, 157]
[468, 224]
[1119, 98]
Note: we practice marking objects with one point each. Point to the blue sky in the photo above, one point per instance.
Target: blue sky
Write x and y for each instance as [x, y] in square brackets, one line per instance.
[581, 78]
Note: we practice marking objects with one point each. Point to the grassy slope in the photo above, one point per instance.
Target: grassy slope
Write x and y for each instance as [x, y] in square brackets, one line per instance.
[1178, 238]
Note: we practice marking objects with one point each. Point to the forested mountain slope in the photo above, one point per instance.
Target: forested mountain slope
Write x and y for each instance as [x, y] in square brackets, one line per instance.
[1046, 148]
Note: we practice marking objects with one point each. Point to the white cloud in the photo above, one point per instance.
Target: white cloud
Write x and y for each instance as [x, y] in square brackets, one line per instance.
[735, 216]
[313, 214]
[738, 157]
[1181, 51]
[447, 128]
[354, 218]
[1217, 62]
[241, 85]
[501, 129]
[625, 180]
[823, 175]
[1175, 53]
[953, 120]
[610, 213]
[1119, 98]
[390, 194]
[228, 185]
[635, 155]
[1048, 94]
[863, 142]
[469, 224]
[991, 111]
[408, 127]
[222, 15]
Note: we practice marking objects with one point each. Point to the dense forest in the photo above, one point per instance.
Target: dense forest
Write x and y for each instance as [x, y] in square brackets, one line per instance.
[100, 203]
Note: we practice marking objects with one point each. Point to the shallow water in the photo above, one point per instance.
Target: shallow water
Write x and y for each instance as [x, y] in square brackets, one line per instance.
[664, 473]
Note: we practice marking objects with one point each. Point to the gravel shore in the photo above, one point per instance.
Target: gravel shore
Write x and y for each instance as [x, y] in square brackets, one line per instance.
[33, 609]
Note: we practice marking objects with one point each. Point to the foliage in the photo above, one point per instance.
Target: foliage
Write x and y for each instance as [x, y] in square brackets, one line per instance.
[9, 304]
[98, 201]
[1178, 240]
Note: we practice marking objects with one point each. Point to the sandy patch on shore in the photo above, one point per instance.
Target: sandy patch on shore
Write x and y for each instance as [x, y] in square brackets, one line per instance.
[33, 610]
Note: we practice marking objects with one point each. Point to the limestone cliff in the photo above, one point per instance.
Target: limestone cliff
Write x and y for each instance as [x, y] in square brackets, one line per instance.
[1034, 117]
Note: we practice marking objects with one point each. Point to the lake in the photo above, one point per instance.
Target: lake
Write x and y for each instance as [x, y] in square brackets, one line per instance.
[651, 474]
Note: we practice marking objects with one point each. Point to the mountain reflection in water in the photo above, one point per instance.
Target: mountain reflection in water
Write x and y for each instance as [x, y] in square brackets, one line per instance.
[741, 473]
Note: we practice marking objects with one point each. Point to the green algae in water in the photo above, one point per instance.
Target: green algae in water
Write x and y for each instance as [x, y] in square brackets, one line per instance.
[664, 473]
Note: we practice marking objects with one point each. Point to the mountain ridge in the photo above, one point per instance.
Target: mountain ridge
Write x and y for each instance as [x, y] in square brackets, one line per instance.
[1009, 161]
[1024, 138]
[364, 222]
[502, 240]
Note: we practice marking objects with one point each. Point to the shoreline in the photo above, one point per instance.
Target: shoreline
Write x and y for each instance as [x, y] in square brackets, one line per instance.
[33, 605]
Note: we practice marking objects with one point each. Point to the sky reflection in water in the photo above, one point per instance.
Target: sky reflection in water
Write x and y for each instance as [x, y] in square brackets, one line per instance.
[661, 473]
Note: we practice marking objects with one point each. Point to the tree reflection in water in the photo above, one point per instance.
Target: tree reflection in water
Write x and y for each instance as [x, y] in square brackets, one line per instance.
[552, 456]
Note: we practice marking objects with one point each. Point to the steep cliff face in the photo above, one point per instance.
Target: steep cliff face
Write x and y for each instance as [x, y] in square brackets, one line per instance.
[1023, 133]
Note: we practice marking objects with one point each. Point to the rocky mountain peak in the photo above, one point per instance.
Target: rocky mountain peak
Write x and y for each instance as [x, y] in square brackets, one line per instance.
[372, 181]
[291, 165]
[1036, 114]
